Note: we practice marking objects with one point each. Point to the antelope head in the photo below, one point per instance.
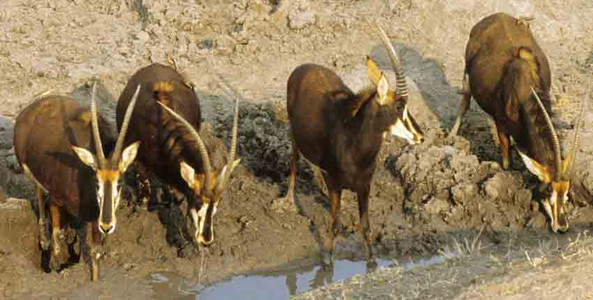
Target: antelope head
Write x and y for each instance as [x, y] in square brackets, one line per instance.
[405, 125]
[210, 184]
[557, 181]
[109, 171]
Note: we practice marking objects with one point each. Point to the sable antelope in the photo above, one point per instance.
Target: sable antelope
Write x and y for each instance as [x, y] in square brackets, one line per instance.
[342, 132]
[51, 139]
[509, 76]
[172, 148]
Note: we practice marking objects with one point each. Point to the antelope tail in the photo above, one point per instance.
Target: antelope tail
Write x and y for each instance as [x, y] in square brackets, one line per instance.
[29, 174]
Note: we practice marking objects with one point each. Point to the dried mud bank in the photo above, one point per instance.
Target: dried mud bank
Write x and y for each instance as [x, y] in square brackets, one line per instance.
[524, 265]
[422, 197]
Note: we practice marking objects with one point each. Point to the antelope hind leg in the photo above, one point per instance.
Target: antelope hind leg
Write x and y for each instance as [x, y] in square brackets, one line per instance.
[44, 240]
[465, 102]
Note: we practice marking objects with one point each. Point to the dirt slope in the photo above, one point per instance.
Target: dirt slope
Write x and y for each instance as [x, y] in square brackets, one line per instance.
[422, 196]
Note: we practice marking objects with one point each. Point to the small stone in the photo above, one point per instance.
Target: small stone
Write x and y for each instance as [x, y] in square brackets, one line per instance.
[206, 44]
[142, 36]
[436, 205]
[300, 19]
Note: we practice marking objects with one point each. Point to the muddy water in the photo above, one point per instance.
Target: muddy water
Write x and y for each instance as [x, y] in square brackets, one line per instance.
[273, 284]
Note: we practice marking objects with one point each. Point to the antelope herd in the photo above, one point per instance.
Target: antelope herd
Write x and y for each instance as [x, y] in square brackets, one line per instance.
[341, 132]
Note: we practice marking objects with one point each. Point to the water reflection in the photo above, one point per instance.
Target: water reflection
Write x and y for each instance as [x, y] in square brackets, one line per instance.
[278, 284]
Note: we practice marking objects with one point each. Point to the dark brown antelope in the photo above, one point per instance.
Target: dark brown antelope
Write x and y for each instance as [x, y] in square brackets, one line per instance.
[509, 76]
[342, 132]
[167, 121]
[51, 139]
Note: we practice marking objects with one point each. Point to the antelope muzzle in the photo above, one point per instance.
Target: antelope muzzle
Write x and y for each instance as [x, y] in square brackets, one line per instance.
[407, 128]
[203, 222]
[555, 206]
[108, 196]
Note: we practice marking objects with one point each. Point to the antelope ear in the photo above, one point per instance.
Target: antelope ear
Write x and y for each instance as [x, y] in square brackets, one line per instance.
[188, 174]
[224, 170]
[86, 157]
[374, 71]
[382, 89]
[534, 167]
[128, 156]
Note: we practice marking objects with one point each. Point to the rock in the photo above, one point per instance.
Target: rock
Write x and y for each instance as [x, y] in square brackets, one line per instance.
[279, 18]
[464, 192]
[206, 44]
[504, 186]
[436, 205]
[300, 19]
[142, 36]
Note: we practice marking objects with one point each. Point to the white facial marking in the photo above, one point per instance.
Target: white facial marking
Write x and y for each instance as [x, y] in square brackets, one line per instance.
[553, 204]
[114, 203]
[100, 191]
[195, 219]
[400, 130]
[548, 210]
[408, 121]
[201, 220]
[403, 128]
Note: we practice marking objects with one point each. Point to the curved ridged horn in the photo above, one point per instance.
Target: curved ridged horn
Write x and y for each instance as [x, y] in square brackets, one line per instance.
[576, 139]
[95, 128]
[201, 147]
[124, 127]
[402, 88]
[555, 141]
[233, 149]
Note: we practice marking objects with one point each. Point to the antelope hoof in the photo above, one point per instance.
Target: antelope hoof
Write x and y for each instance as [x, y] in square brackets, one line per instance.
[44, 240]
[328, 260]
[285, 204]
[454, 130]
[54, 263]
[371, 265]
[94, 269]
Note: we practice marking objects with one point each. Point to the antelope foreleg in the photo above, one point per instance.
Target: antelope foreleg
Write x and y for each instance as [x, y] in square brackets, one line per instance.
[95, 250]
[57, 236]
[505, 144]
[43, 234]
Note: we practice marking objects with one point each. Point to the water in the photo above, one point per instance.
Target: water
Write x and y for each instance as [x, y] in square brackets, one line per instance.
[277, 284]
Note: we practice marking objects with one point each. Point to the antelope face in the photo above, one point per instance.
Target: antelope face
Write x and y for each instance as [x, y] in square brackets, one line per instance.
[404, 125]
[406, 128]
[108, 187]
[555, 206]
[109, 170]
[203, 215]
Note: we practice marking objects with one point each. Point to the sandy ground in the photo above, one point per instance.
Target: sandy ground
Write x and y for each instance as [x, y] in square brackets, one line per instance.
[422, 197]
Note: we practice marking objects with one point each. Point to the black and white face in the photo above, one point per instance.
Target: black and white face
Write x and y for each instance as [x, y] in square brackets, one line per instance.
[555, 206]
[406, 128]
[203, 215]
[108, 196]
[202, 219]
[109, 183]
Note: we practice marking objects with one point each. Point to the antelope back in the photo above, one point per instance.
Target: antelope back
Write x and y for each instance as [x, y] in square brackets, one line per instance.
[163, 142]
[495, 42]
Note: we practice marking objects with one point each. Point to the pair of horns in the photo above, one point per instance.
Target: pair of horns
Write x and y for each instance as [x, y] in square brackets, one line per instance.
[202, 148]
[555, 141]
[116, 155]
[402, 88]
